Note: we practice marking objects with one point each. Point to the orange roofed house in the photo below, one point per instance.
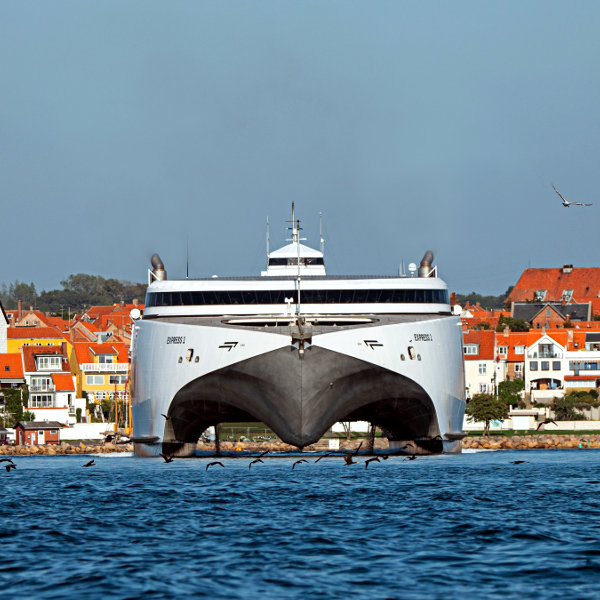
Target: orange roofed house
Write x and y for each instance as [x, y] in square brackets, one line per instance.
[102, 370]
[51, 387]
[563, 285]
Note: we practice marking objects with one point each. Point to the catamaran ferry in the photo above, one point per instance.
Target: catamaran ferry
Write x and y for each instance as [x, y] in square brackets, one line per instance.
[298, 350]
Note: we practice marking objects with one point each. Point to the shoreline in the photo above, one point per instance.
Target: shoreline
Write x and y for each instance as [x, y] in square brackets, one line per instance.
[522, 442]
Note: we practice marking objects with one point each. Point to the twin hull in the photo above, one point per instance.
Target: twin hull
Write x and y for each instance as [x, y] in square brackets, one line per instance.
[403, 373]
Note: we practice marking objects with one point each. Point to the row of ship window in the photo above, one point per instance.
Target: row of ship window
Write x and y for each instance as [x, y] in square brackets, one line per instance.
[195, 298]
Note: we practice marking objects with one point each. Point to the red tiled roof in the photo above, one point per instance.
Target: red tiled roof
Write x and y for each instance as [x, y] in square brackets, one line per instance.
[85, 352]
[15, 366]
[30, 352]
[485, 339]
[63, 382]
[33, 333]
[585, 283]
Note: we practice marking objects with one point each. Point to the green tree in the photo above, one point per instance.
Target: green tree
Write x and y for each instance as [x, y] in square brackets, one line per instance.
[486, 408]
[565, 408]
[513, 324]
[14, 405]
[508, 391]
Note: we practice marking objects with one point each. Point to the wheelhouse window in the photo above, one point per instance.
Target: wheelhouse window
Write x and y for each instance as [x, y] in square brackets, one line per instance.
[362, 296]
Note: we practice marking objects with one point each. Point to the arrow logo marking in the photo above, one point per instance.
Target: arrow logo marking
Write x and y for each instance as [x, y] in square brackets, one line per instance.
[372, 343]
[229, 345]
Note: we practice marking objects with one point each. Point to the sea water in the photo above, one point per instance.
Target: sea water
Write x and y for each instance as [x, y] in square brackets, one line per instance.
[434, 527]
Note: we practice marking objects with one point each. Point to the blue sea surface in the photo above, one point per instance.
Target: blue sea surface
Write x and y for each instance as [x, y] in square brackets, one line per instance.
[434, 527]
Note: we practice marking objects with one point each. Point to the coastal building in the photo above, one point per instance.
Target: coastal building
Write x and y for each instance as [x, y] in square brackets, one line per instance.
[11, 370]
[3, 329]
[566, 284]
[101, 370]
[37, 433]
[19, 337]
[47, 373]
[483, 367]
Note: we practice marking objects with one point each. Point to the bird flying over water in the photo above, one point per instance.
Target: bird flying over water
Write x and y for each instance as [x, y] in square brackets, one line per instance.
[212, 464]
[167, 458]
[348, 459]
[546, 422]
[411, 457]
[323, 456]
[10, 466]
[567, 204]
[375, 459]
[517, 462]
[263, 453]
[302, 460]
[256, 460]
[10, 460]
[89, 464]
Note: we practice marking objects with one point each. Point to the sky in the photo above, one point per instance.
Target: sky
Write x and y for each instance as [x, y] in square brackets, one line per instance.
[178, 127]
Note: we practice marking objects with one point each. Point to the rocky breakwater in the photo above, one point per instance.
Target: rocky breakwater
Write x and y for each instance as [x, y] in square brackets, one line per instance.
[530, 442]
[60, 449]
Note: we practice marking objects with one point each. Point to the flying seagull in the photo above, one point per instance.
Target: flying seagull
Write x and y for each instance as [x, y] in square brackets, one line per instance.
[348, 459]
[517, 462]
[369, 461]
[323, 456]
[10, 466]
[302, 460]
[411, 457]
[263, 453]
[212, 464]
[546, 422]
[167, 458]
[10, 460]
[256, 460]
[89, 464]
[567, 204]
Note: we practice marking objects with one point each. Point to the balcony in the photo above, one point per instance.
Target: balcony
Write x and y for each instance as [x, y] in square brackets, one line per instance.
[47, 387]
[544, 355]
[104, 367]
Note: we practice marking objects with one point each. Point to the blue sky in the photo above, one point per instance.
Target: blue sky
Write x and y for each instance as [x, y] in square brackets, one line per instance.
[127, 128]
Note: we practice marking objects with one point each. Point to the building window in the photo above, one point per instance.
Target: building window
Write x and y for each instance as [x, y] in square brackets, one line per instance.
[548, 313]
[556, 365]
[117, 379]
[533, 366]
[567, 295]
[40, 401]
[94, 379]
[482, 369]
[482, 388]
[518, 368]
[106, 358]
[53, 431]
[48, 363]
[471, 349]
[545, 365]
[539, 295]
[502, 350]
[519, 349]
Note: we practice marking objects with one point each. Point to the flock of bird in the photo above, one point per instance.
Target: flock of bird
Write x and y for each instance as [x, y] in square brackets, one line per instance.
[348, 458]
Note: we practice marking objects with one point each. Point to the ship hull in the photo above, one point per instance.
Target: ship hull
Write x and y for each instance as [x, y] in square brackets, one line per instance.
[403, 374]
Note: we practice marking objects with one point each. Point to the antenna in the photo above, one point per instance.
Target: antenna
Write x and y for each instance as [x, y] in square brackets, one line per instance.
[321, 233]
[267, 236]
[187, 257]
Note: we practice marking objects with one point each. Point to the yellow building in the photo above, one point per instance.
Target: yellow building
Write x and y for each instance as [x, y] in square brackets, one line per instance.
[17, 337]
[101, 370]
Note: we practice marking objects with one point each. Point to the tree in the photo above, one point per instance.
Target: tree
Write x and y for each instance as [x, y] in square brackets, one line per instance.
[14, 405]
[508, 391]
[512, 324]
[486, 408]
[565, 410]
